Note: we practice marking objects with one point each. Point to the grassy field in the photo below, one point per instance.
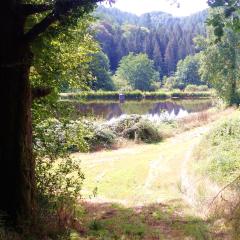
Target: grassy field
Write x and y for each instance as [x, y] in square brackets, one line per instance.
[140, 190]
[138, 174]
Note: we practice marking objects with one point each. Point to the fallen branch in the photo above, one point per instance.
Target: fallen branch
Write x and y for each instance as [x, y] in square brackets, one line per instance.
[223, 189]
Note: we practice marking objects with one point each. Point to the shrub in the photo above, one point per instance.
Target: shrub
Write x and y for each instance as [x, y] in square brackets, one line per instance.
[191, 88]
[49, 137]
[102, 138]
[196, 88]
[58, 177]
[135, 95]
[56, 137]
[156, 95]
[144, 131]
[203, 88]
[77, 135]
[123, 123]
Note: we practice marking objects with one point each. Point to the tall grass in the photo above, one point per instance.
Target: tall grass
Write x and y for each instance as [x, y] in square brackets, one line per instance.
[218, 153]
[217, 159]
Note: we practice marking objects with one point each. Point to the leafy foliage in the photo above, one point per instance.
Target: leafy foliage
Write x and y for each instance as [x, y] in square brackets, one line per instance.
[62, 56]
[100, 69]
[59, 178]
[219, 66]
[144, 131]
[135, 127]
[226, 15]
[188, 72]
[138, 71]
[195, 88]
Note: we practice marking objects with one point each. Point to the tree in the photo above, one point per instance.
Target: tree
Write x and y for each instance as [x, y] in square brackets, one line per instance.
[16, 159]
[226, 14]
[219, 66]
[138, 71]
[171, 56]
[100, 69]
[187, 71]
[62, 56]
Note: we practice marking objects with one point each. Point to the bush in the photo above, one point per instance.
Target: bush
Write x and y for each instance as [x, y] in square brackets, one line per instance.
[102, 138]
[196, 88]
[144, 131]
[157, 95]
[169, 82]
[203, 88]
[57, 138]
[49, 137]
[77, 134]
[123, 123]
[58, 177]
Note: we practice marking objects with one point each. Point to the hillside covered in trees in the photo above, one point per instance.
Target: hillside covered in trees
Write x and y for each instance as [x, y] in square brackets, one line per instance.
[164, 38]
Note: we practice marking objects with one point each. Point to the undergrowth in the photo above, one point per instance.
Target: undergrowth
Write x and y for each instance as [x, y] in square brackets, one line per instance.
[217, 159]
[218, 154]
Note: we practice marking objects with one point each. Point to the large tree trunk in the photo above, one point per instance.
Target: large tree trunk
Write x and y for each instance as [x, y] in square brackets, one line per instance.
[16, 160]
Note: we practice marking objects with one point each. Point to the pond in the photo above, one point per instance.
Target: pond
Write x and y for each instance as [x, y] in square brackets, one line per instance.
[153, 109]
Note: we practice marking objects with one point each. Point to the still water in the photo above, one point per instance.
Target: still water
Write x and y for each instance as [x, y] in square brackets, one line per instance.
[152, 109]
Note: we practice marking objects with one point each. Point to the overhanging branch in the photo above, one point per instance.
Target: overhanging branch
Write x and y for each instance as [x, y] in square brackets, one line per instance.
[39, 28]
[61, 8]
[29, 9]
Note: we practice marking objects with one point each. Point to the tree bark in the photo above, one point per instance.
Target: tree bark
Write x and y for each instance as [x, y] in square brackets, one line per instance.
[16, 160]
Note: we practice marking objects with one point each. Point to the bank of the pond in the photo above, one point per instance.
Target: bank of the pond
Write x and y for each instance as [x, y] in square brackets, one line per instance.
[134, 95]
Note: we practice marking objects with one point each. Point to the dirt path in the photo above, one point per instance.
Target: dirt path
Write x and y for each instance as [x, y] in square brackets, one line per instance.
[143, 174]
[153, 186]
[188, 187]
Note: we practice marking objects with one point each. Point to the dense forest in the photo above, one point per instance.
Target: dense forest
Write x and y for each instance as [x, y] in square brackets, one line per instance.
[164, 38]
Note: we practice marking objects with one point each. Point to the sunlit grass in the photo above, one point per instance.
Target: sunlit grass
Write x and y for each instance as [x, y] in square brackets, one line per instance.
[136, 175]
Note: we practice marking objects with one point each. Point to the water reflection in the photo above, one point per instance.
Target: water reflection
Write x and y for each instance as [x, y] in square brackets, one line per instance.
[152, 109]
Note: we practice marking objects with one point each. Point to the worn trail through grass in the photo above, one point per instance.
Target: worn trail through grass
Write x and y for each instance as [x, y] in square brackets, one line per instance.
[153, 186]
[140, 174]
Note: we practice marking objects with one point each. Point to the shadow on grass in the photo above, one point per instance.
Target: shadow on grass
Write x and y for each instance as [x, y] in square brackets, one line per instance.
[157, 221]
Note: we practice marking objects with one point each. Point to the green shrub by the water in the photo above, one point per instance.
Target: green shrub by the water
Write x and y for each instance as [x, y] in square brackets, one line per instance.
[196, 88]
[134, 95]
[136, 127]
[90, 135]
[144, 131]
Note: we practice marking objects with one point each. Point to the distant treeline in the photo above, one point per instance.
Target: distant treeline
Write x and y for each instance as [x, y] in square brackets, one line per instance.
[164, 38]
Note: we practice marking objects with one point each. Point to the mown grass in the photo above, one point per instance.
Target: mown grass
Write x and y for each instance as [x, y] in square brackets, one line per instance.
[133, 95]
[122, 174]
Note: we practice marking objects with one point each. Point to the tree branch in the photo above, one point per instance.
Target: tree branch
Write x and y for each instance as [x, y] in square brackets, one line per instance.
[39, 27]
[61, 8]
[223, 189]
[29, 9]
